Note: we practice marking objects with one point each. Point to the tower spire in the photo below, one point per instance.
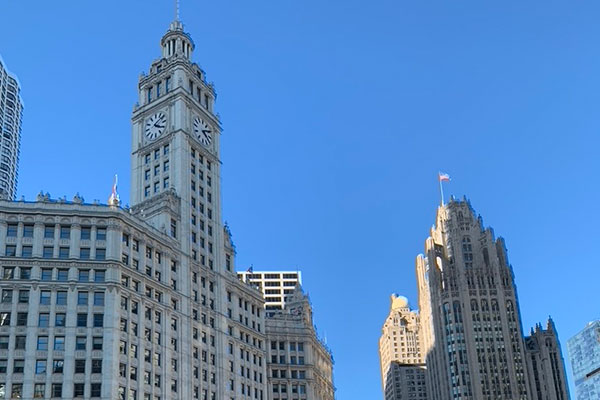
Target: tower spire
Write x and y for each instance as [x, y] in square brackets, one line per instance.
[176, 10]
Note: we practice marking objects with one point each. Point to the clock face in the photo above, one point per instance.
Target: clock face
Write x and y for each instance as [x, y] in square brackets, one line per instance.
[202, 131]
[155, 125]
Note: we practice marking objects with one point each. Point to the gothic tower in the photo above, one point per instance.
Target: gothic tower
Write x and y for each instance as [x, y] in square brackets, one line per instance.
[471, 326]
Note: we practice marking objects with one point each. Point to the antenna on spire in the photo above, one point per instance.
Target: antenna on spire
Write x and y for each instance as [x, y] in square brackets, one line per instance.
[176, 10]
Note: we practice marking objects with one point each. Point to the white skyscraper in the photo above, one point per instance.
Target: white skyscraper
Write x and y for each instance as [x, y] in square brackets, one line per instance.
[11, 113]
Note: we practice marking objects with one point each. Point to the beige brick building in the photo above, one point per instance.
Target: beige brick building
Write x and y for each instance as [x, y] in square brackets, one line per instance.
[401, 362]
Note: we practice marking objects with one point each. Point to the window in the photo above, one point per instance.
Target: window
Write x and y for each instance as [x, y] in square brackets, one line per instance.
[7, 296]
[100, 254]
[40, 367]
[84, 275]
[101, 234]
[45, 297]
[98, 320]
[48, 231]
[97, 343]
[42, 343]
[59, 343]
[78, 389]
[44, 320]
[99, 275]
[82, 298]
[11, 251]
[96, 366]
[46, 274]
[25, 273]
[17, 390]
[18, 367]
[28, 231]
[57, 390]
[80, 342]
[22, 319]
[58, 366]
[61, 298]
[48, 252]
[39, 391]
[86, 233]
[65, 232]
[99, 298]
[26, 251]
[81, 320]
[63, 252]
[20, 342]
[3, 342]
[11, 230]
[63, 275]
[80, 366]
[60, 319]
[84, 253]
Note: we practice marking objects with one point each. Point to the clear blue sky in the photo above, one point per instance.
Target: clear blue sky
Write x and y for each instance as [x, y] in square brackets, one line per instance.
[337, 116]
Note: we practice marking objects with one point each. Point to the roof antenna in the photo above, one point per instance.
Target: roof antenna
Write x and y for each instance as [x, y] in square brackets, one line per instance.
[176, 10]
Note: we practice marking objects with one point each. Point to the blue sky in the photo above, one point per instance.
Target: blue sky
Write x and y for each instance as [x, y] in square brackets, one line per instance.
[337, 117]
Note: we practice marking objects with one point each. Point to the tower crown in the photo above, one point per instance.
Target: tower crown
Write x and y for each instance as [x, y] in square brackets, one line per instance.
[176, 42]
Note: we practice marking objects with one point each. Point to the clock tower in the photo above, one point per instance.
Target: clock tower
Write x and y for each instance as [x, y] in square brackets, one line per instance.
[175, 182]
[175, 187]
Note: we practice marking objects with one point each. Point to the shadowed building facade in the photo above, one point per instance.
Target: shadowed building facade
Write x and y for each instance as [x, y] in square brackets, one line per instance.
[471, 328]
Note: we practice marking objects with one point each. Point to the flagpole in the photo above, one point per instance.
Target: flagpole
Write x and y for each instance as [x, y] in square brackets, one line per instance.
[441, 189]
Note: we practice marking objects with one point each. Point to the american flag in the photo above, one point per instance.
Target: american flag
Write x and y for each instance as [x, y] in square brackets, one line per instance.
[443, 177]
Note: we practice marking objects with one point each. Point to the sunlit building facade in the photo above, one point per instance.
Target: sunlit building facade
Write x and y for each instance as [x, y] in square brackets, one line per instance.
[11, 115]
[584, 354]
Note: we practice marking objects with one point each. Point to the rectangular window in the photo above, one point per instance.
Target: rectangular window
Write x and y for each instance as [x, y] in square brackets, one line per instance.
[4, 319]
[98, 320]
[42, 343]
[48, 252]
[63, 252]
[99, 298]
[80, 366]
[45, 297]
[39, 391]
[22, 319]
[86, 233]
[61, 298]
[11, 251]
[26, 251]
[48, 231]
[82, 298]
[84, 253]
[99, 275]
[28, 231]
[97, 343]
[84, 275]
[101, 234]
[63, 275]
[80, 342]
[3, 342]
[57, 390]
[44, 320]
[25, 273]
[59, 343]
[100, 254]
[7, 296]
[58, 366]
[65, 232]
[81, 320]
[20, 342]
[11, 230]
[46, 274]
